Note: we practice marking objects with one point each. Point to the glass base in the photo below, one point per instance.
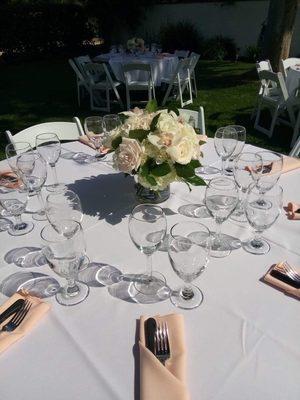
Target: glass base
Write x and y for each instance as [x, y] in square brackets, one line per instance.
[21, 229]
[207, 170]
[151, 285]
[220, 248]
[256, 246]
[73, 298]
[60, 187]
[39, 216]
[178, 299]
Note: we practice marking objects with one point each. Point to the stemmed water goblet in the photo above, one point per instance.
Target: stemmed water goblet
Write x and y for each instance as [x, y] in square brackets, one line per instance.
[147, 228]
[33, 172]
[48, 146]
[221, 198]
[261, 216]
[94, 129]
[65, 256]
[14, 201]
[189, 249]
[225, 142]
[245, 170]
[241, 138]
[110, 123]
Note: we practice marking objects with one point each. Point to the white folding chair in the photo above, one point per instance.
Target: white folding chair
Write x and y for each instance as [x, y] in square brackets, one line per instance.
[82, 84]
[64, 131]
[99, 82]
[138, 85]
[264, 65]
[195, 118]
[181, 53]
[194, 57]
[180, 81]
[295, 152]
[278, 103]
[81, 60]
[289, 62]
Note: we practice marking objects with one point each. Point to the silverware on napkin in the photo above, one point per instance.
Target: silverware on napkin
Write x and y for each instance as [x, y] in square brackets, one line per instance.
[12, 309]
[150, 329]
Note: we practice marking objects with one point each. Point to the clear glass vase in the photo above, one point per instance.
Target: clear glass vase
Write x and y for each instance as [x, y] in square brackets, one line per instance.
[146, 195]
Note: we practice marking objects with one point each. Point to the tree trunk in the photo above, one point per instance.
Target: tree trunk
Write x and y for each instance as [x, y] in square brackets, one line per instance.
[279, 30]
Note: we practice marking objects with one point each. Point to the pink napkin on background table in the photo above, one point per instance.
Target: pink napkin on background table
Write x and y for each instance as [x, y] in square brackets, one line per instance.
[158, 381]
[36, 312]
[293, 211]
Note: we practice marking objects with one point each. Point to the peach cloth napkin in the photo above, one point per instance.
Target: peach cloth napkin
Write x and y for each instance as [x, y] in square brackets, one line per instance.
[290, 163]
[285, 287]
[36, 312]
[167, 381]
[292, 211]
[9, 180]
[85, 140]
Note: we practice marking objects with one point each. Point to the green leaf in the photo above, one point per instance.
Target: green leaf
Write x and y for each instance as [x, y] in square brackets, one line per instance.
[195, 164]
[201, 142]
[154, 123]
[195, 180]
[123, 117]
[116, 142]
[174, 109]
[161, 169]
[151, 106]
[151, 180]
[138, 134]
[184, 171]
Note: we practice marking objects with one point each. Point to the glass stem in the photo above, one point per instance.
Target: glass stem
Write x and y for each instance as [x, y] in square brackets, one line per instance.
[40, 198]
[218, 230]
[187, 292]
[53, 169]
[256, 241]
[223, 167]
[149, 265]
[18, 220]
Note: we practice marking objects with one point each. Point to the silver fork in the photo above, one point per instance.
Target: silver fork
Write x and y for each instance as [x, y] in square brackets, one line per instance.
[291, 272]
[17, 318]
[161, 343]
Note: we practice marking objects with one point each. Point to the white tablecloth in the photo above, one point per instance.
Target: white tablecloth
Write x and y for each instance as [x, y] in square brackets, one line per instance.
[163, 66]
[243, 341]
[293, 79]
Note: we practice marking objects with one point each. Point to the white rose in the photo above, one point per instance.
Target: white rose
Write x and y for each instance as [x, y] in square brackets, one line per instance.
[127, 157]
[167, 123]
[182, 150]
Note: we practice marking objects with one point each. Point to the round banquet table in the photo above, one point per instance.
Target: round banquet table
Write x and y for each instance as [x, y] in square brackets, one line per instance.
[293, 79]
[163, 65]
[242, 342]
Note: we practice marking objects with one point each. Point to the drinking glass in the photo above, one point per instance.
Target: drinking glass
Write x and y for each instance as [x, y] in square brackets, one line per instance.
[33, 172]
[241, 138]
[147, 229]
[261, 217]
[65, 256]
[14, 202]
[110, 123]
[62, 207]
[221, 198]
[189, 249]
[48, 146]
[13, 150]
[93, 127]
[270, 172]
[225, 143]
[245, 170]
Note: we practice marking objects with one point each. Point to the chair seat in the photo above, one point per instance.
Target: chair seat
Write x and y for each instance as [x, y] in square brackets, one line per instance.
[104, 84]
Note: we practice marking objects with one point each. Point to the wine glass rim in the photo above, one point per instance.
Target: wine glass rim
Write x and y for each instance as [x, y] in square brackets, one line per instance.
[228, 182]
[93, 117]
[55, 195]
[253, 187]
[14, 145]
[45, 135]
[59, 236]
[249, 154]
[270, 152]
[188, 223]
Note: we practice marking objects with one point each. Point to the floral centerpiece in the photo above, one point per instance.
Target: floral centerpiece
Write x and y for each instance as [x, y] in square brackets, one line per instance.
[136, 44]
[158, 147]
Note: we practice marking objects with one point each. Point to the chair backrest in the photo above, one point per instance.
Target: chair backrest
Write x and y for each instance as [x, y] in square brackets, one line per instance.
[264, 65]
[64, 131]
[94, 71]
[295, 152]
[182, 70]
[194, 58]
[276, 80]
[81, 60]
[195, 118]
[181, 53]
[289, 62]
[77, 71]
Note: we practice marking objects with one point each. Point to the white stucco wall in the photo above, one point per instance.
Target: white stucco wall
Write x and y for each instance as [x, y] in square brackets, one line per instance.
[241, 21]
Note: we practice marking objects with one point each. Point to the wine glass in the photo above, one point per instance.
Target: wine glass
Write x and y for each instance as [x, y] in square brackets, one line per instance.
[48, 146]
[14, 202]
[245, 170]
[65, 256]
[221, 198]
[270, 173]
[147, 229]
[93, 127]
[225, 143]
[33, 172]
[261, 217]
[63, 207]
[189, 248]
[13, 150]
[241, 138]
[110, 123]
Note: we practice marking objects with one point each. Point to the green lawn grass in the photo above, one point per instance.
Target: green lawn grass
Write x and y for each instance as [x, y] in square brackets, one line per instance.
[40, 91]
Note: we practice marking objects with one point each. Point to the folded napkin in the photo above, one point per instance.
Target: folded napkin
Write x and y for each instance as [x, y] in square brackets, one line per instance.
[36, 312]
[278, 283]
[167, 381]
[290, 163]
[9, 179]
[85, 140]
[293, 211]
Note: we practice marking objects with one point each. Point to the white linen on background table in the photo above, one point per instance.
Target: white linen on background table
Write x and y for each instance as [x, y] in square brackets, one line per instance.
[242, 342]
